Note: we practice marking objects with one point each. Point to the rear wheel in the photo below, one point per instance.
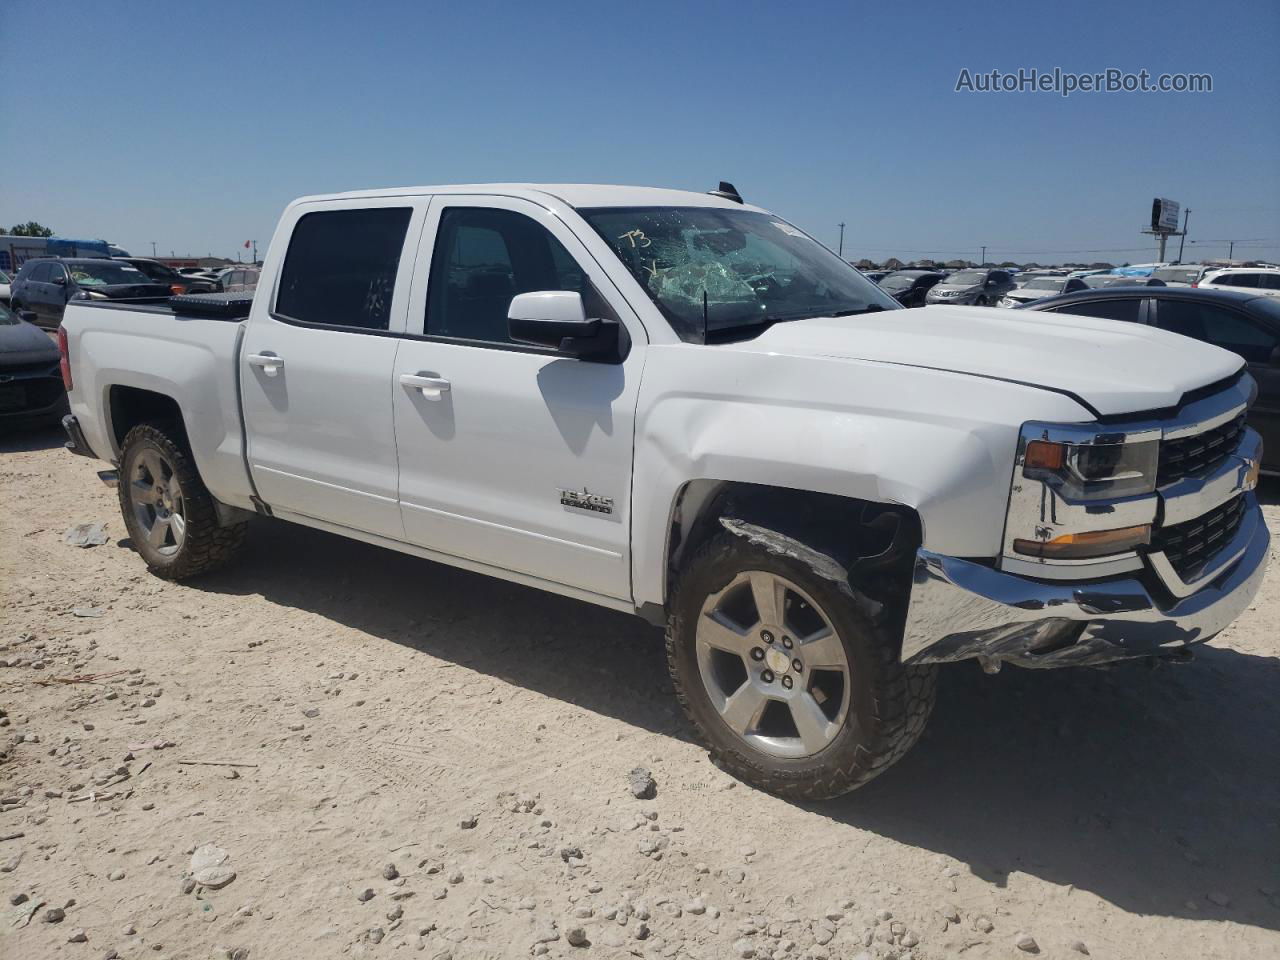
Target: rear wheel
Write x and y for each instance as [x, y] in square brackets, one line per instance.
[169, 513]
[792, 680]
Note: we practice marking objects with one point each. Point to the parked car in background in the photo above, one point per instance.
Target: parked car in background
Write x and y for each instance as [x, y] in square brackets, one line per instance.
[978, 287]
[1262, 281]
[198, 273]
[1243, 322]
[875, 276]
[1180, 274]
[31, 390]
[45, 287]
[909, 287]
[239, 280]
[5, 280]
[163, 273]
[1041, 287]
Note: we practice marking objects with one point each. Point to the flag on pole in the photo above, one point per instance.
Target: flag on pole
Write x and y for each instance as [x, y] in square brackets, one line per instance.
[246, 244]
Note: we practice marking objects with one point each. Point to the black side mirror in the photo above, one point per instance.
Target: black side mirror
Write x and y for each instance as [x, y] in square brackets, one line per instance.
[60, 281]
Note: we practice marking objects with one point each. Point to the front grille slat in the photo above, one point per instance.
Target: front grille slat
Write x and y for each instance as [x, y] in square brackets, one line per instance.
[1194, 541]
[1186, 456]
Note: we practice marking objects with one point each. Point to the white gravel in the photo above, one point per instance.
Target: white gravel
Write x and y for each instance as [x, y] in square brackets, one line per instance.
[461, 733]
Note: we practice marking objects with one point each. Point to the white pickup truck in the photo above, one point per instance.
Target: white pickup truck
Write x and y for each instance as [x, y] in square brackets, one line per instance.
[682, 406]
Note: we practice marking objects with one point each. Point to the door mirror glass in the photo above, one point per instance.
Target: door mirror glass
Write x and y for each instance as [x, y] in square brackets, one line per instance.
[557, 319]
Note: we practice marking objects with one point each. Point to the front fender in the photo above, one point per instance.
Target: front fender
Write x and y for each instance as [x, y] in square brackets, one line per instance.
[940, 443]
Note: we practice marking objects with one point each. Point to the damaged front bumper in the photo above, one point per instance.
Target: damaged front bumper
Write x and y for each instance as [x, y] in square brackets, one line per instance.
[960, 609]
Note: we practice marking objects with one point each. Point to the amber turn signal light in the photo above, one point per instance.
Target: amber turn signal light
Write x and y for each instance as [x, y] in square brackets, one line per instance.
[1084, 546]
[1043, 455]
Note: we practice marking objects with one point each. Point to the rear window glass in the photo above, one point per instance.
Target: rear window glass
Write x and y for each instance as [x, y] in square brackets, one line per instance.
[340, 269]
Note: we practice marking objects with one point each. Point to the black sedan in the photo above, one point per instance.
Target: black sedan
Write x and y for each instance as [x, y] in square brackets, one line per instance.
[1243, 323]
[44, 287]
[908, 287]
[31, 392]
[163, 273]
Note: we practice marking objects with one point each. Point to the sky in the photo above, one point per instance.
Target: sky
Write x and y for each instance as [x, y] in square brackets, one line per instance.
[192, 125]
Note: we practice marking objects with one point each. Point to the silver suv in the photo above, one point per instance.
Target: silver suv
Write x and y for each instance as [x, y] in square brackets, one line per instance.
[982, 288]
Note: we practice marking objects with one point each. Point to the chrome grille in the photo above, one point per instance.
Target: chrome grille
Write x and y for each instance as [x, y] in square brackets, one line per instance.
[1190, 543]
[1204, 451]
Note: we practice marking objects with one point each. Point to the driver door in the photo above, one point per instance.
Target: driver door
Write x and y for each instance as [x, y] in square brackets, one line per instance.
[510, 455]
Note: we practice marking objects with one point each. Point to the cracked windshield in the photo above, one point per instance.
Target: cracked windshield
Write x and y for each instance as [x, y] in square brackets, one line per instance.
[731, 272]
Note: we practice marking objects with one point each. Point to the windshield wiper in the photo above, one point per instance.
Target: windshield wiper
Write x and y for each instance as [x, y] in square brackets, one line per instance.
[869, 308]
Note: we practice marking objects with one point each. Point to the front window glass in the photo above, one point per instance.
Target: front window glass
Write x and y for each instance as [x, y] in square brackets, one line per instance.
[1219, 326]
[966, 278]
[897, 281]
[5, 278]
[1046, 283]
[7, 317]
[105, 274]
[731, 271]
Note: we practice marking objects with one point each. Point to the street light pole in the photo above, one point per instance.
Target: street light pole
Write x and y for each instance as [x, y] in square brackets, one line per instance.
[840, 252]
[153, 249]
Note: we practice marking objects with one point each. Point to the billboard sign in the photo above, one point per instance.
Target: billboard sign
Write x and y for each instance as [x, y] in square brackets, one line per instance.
[1164, 215]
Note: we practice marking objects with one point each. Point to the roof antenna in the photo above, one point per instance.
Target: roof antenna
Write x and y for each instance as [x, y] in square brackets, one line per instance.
[728, 191]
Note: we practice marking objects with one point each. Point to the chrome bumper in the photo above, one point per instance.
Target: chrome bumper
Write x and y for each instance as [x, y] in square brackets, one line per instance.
[961, 609]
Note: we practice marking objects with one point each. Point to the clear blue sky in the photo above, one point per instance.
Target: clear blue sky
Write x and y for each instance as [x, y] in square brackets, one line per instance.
[193, 124]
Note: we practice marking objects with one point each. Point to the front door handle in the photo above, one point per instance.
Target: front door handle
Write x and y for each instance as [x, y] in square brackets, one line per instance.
[433, 388]
[269, 362]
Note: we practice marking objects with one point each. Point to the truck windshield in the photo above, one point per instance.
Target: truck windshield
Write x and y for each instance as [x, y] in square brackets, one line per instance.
[731, 270]
[106, 273]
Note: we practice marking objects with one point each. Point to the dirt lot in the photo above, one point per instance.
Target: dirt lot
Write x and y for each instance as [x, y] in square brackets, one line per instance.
[378, 704]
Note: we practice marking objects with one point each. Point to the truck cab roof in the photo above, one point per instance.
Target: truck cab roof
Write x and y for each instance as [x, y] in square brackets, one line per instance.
[576, 195]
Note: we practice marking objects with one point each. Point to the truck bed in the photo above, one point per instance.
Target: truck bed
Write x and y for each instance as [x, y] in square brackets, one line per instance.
[183, 350]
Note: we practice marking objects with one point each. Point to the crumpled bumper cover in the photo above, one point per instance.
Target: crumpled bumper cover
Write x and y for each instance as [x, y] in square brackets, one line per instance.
[961, 609]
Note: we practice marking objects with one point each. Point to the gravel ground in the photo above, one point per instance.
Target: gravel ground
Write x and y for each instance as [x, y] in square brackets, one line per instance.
[334, 750]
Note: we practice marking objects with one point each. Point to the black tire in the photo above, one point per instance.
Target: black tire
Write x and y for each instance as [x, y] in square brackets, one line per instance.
[888, 703]
[205, 545]
[980, 302]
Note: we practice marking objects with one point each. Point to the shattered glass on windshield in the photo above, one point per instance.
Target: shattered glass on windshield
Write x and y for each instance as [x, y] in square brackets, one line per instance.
[729, 270]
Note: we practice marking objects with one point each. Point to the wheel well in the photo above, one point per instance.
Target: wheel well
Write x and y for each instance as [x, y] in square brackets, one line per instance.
[861, 534]
[131, 406]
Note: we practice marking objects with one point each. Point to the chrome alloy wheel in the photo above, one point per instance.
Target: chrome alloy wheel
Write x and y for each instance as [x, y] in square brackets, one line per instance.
[157, 502]
[772, 665]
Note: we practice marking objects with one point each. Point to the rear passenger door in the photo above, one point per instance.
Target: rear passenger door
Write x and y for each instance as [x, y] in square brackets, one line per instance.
[513, 456]
[316, 363]
[1253, 339]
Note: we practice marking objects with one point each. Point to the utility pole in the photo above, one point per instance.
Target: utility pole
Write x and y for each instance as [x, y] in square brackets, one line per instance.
[840, 252]
[984, 255]
[153, 249]
[1231, 249]
[1186, 218]
[255, 253]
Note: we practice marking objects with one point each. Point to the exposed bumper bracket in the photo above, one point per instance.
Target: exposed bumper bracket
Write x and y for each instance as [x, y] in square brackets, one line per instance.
[961, 609]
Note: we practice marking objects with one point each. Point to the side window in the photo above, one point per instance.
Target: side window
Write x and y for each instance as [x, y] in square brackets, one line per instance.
[1269, 281]
[999, 276]
[1221, 327]
[483, 258]
[1126, 309]
[340, 268]
[1238, 280]
[42, 273]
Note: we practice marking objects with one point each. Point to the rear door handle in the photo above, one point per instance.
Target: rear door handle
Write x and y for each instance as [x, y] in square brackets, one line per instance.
[269, 362]
[433, 388]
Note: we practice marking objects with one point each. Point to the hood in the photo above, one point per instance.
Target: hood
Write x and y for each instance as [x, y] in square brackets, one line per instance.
[22, 343]
[1114, 367]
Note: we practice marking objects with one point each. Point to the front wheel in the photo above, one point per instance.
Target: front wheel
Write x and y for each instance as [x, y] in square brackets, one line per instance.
[168, 511]
[792, 680]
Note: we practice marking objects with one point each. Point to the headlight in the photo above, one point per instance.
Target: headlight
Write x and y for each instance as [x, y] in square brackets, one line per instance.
[1092, 471]
[89, 295]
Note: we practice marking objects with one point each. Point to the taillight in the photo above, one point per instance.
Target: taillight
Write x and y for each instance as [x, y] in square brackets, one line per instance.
[64, 358]
[177, 289]
[1196, 284]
